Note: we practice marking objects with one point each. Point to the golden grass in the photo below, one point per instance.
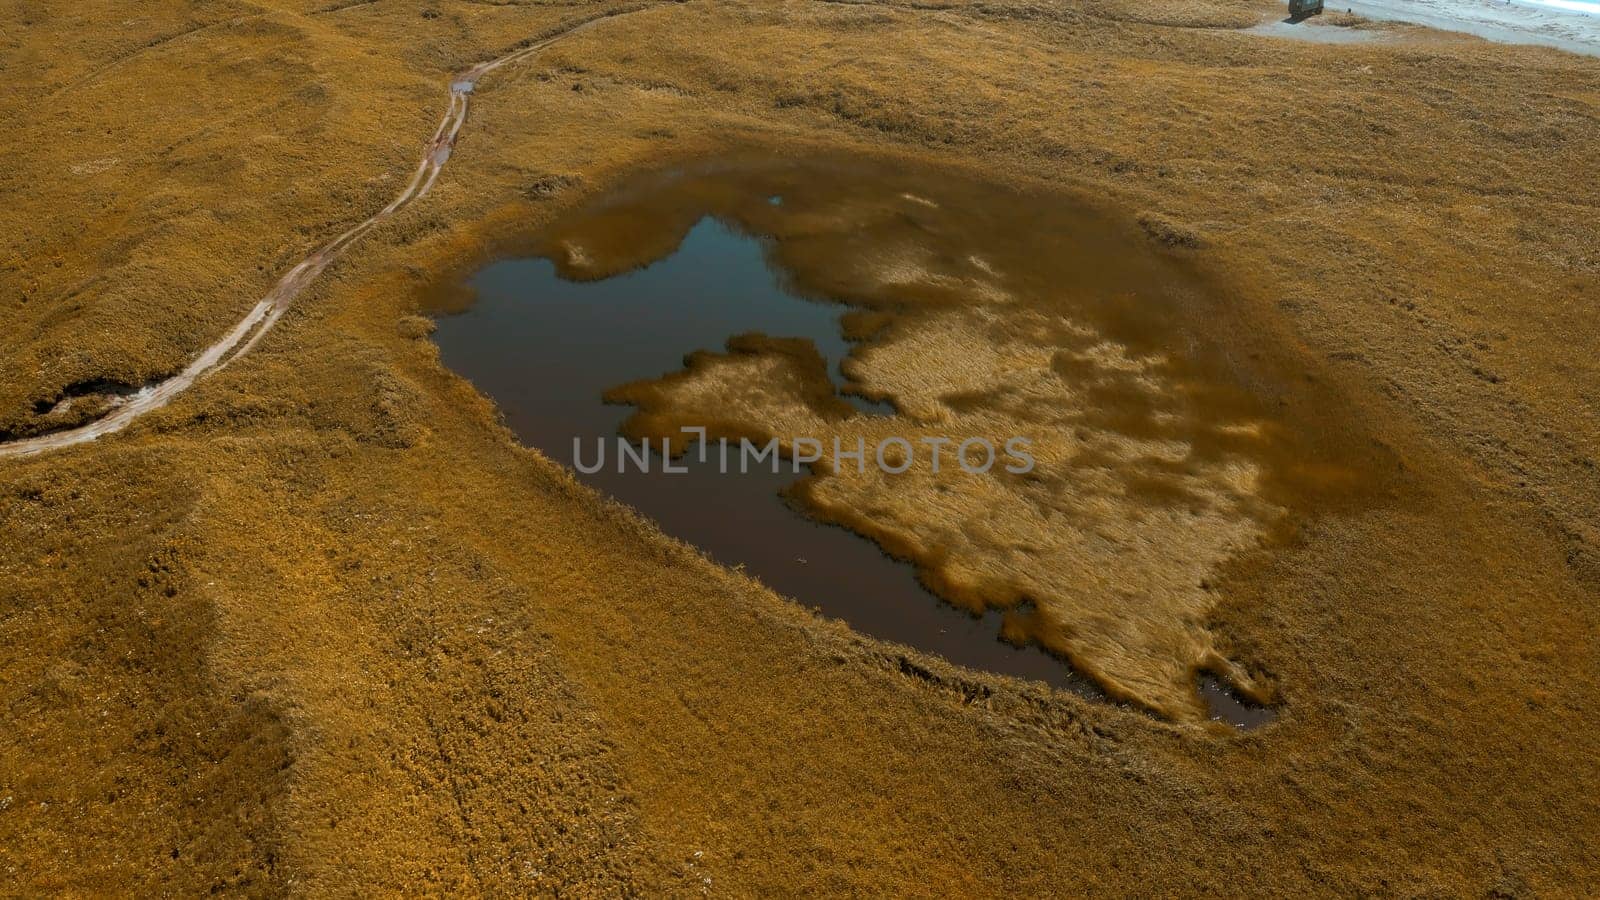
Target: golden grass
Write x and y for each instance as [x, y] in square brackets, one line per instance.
[401, 654]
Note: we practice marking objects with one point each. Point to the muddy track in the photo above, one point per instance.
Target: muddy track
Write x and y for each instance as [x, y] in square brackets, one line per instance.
[264, 315]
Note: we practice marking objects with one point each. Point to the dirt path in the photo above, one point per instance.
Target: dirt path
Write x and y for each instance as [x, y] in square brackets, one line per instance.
[264, 315]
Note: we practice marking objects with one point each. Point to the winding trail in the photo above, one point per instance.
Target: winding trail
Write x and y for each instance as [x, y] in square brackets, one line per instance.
[264, 315]
[259, 320]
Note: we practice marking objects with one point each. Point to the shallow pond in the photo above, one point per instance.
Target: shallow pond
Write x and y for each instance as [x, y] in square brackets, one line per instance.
[650, 287]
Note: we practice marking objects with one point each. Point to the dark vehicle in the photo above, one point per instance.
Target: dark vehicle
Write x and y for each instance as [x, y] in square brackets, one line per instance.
[1301, 9]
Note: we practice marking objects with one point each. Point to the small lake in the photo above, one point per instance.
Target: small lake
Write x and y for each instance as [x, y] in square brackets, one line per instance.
[546, 337]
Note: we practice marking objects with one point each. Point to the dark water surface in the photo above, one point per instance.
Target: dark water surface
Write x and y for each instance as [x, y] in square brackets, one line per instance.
[546, 349]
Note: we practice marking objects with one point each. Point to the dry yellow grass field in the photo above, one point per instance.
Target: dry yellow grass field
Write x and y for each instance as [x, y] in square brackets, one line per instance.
[321, 626]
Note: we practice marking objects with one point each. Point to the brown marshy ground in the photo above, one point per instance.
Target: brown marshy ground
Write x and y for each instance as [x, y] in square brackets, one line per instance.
[322, 625]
